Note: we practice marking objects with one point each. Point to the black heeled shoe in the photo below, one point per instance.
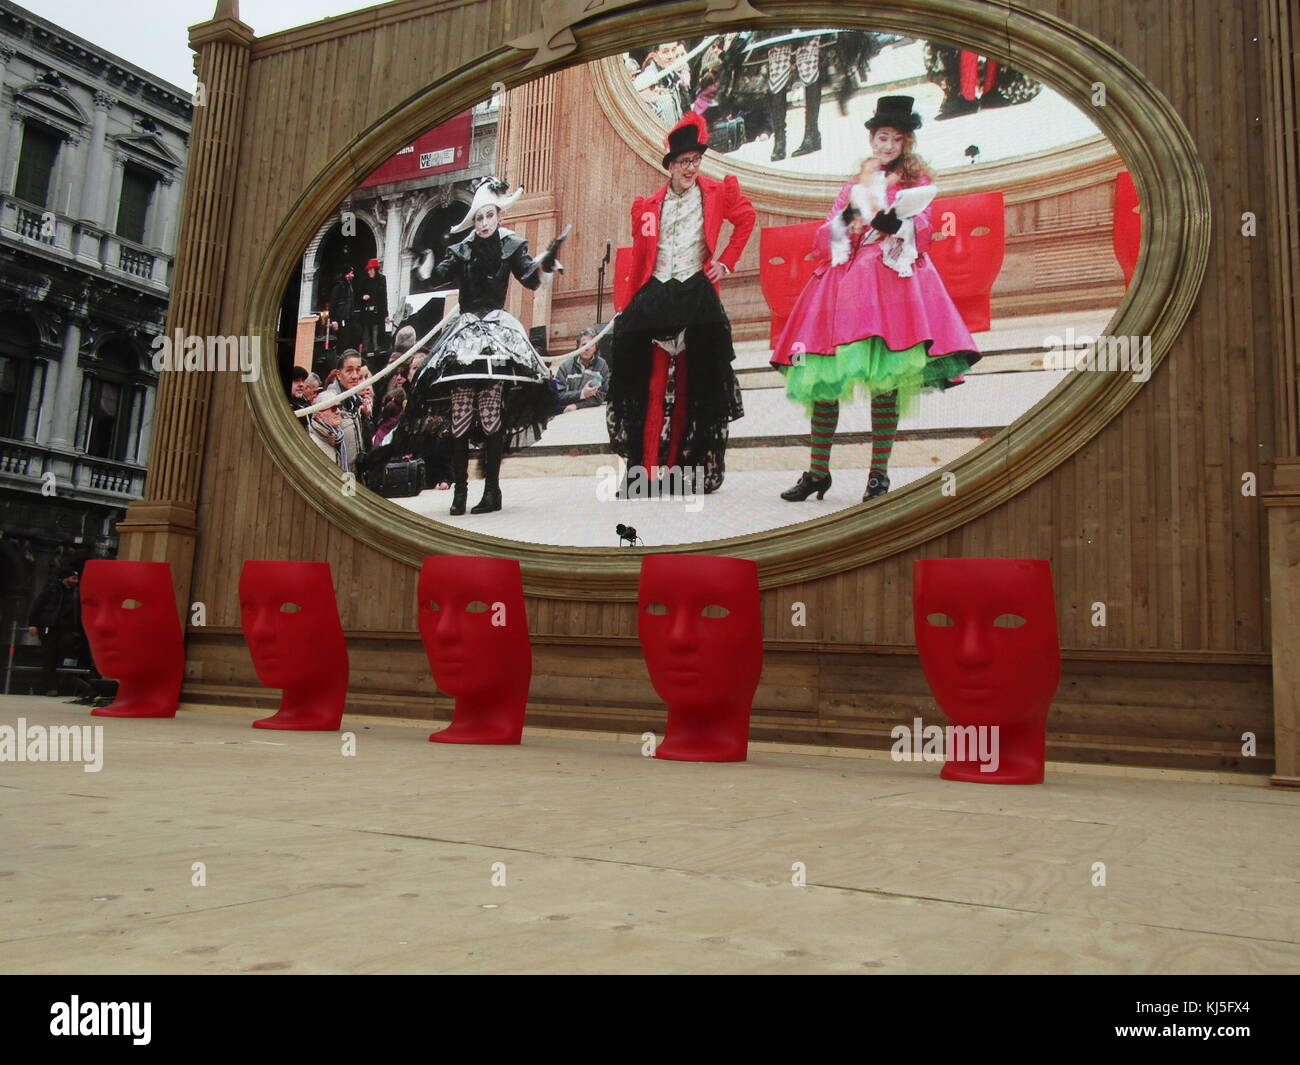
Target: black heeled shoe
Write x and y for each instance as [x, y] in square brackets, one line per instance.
[877, 485]
[806, 486]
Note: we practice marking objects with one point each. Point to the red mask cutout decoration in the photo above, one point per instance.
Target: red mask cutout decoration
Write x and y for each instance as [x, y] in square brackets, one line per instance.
[967, 245]
[701, 632]
[475, 633]
[128, 610]
[291, 624]
[991, 653]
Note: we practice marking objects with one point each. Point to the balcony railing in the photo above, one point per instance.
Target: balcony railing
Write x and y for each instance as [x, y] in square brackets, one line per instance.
[23, 465]
[35, 225]
[68, 238]
[138, 263]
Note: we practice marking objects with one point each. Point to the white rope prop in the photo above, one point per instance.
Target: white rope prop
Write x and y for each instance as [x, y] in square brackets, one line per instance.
[582, 347]
[336, 398]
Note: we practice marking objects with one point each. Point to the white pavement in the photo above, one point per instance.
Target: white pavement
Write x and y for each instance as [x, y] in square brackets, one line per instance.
[560, 491]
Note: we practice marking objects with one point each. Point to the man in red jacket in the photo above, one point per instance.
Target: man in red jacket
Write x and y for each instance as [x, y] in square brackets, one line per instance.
[673, 391]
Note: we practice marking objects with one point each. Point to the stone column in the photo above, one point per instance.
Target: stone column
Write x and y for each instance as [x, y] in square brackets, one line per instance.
[393, 253]
[49, 389]
[146, 423]
[35, 399]
[15, 149]
[63, 422]
[163, 525]
[94, 190]
[6, 136]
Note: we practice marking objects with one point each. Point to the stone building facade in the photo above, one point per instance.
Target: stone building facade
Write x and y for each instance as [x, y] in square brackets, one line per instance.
[92, 160]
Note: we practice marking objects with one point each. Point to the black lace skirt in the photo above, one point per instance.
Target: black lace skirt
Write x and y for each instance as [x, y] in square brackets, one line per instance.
[661, 310]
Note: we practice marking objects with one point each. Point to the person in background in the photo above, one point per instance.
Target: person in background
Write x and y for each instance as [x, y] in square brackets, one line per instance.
[298, 388]
[326, 430]
[353, 421]
[394, 404]
[373, 308]
[343, 309]
[583, 378]
[56, 619]
[311, 388]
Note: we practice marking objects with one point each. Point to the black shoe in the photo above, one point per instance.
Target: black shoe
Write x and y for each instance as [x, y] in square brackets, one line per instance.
[956, 107]
[993, 98]
[877, 485]
[491, 501]
[460, 474]
[807, 485]
[778, 150]
[807, 147]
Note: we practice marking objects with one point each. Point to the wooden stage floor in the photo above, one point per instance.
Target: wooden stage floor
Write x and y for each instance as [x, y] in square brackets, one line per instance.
[383, 862]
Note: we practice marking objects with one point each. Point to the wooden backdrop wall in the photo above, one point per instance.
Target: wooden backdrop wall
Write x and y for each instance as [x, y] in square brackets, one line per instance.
[1149, 518]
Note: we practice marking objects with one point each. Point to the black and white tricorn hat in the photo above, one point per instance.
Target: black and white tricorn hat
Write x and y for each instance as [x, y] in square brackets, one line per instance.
[490, 192]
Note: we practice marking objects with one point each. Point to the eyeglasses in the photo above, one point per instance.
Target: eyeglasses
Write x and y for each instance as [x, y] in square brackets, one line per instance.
[689, 161]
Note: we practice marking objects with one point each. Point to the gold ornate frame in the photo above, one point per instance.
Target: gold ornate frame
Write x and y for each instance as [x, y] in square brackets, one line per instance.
[1137, 120]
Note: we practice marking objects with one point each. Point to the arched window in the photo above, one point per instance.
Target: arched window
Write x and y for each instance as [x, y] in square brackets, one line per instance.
[17, 364]
[112, 404]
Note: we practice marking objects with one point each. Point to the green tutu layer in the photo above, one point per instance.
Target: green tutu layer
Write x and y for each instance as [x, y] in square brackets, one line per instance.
[870, 367]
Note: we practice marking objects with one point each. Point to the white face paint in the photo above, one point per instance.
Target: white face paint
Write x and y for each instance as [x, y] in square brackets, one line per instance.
[887, 144]
[486, 220]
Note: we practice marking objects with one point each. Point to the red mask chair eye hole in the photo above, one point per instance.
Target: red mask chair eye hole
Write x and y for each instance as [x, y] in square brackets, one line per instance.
[939, 621]
[290, 608]
[476, 607]
[432, 605]
[980, 231]
[658, 609]
[715, 610]
[1009, 621]
[131, 604]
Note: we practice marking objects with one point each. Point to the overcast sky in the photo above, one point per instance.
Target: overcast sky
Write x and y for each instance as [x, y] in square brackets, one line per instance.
[154, 34]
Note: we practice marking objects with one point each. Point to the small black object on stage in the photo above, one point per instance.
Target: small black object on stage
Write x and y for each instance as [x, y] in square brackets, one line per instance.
[627, 536]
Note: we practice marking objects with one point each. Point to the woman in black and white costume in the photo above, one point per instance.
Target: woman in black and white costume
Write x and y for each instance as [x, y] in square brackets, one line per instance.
[483, 382]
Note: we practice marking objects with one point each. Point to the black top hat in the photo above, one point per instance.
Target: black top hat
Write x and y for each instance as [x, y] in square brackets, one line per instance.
[895, 112]
[689, 135]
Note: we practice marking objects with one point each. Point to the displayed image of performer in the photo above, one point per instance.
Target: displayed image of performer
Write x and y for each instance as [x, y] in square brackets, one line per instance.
[483, 382]
[791, 55]
[673, 391]
[875, 316]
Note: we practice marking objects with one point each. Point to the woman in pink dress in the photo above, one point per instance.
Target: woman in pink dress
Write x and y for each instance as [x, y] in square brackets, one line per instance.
[875, 316]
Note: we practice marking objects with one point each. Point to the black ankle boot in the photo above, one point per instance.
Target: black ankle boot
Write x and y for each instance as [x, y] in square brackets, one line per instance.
[806, 486]
[460, 473]
[777, 108]
[493, 448]
[877, 485]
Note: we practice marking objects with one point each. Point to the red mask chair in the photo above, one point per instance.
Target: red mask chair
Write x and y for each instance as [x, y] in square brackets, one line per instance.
[968, 241]
[128, 610]
[986, 631]
[291, 624]
[701, 632]
[475, 633]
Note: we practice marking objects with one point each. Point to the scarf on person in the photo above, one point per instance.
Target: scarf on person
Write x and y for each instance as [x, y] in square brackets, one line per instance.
[333, 436]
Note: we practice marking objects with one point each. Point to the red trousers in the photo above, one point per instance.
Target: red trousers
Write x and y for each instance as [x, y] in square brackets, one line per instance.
[654, 413]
